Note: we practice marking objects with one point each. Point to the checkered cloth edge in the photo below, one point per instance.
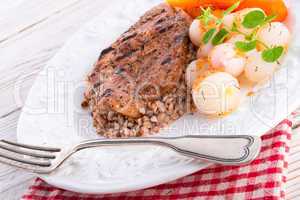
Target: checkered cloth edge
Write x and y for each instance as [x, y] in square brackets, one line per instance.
[263, 179]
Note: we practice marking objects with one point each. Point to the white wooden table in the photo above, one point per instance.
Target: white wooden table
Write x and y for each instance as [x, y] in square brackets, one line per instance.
[31, 32]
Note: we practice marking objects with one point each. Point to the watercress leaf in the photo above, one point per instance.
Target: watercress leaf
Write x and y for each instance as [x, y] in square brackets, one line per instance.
[208, 35]
[272, 54]
[270, 18]
[254, 19]
[219, 37]
[231, 8]
[246, 46]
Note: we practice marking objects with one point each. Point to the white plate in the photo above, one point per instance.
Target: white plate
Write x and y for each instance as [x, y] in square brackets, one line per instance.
[52, 115]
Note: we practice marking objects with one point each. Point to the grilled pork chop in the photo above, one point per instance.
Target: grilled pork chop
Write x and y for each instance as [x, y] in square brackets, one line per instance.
[144, 65]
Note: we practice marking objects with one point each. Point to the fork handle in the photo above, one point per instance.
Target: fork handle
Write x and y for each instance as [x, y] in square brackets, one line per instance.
[227, 150]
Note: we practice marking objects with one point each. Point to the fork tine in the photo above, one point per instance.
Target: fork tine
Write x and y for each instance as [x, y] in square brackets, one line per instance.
[32, 147]
[25, 161]
[31, 153]
[31, 168]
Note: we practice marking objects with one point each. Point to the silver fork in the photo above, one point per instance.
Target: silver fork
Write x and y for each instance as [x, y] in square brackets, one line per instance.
[227, 150]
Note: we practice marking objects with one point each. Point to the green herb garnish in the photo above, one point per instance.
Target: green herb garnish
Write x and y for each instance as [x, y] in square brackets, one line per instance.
[269, 19]
[231, 8]
[246, 46]
[272, 54]
[206, 15]
[254, 19]
[220, 37]
[208, 35]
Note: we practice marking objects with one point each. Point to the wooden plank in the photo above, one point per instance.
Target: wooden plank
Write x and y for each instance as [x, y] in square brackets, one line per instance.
[293, 195]
[34, 46]
[15, 193]
[13, 182]
[30, 14]
[27, 42]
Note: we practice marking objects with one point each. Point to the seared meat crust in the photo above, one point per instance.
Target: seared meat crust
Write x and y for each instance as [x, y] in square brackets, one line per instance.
[145, 63]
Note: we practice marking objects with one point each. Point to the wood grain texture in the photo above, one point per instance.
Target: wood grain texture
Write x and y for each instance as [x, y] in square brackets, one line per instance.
[31, 32]
[33, 37]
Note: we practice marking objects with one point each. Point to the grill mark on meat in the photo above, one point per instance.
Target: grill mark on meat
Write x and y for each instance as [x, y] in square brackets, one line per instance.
[106, 51]
[106, 93]
[126, 54]
[152, 51]
[164, 29]
[161, 20]
[128, 37]
[96, 85]
[148, 18]
[119, 71]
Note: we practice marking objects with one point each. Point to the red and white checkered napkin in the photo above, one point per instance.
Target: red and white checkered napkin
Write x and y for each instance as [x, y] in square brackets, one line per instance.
[264, 179]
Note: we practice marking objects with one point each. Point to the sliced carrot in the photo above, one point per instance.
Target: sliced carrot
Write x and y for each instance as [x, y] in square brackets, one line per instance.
[193, 7]
[276, 7]
[218, 13]
[221, 4]
[196, 11]
[184, 3]
[193, 11]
